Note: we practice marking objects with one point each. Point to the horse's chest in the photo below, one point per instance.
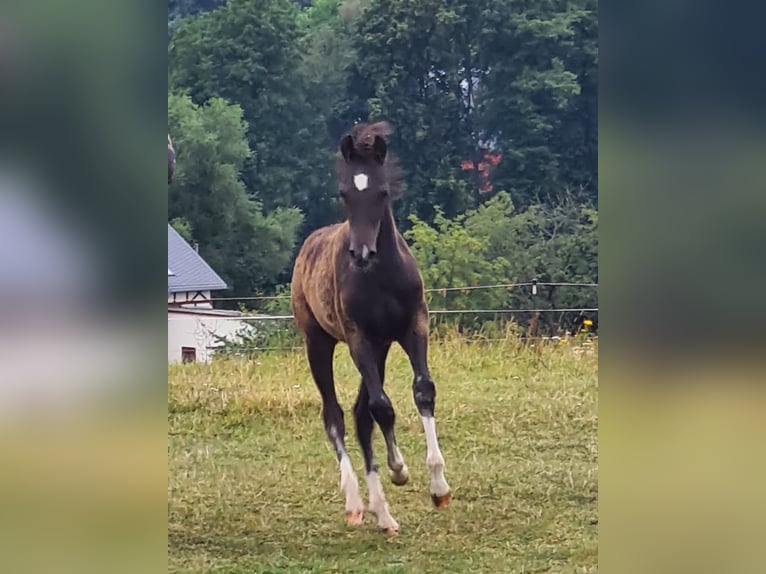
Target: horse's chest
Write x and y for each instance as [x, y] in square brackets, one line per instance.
[379, 314]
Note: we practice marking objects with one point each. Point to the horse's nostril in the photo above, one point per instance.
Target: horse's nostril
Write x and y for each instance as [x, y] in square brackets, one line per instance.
[362, 256]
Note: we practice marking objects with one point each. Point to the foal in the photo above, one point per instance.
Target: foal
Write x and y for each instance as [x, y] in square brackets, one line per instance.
[357, 282]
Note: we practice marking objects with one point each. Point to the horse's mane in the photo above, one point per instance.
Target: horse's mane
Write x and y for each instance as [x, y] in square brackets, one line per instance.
[363, 135]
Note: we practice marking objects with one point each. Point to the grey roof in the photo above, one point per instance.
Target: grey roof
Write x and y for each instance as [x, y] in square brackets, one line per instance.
[189, 271]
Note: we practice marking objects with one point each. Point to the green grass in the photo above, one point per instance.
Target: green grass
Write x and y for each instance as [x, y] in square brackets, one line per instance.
[253, 482]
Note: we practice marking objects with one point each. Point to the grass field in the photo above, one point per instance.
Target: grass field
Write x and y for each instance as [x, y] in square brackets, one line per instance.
[253, 482]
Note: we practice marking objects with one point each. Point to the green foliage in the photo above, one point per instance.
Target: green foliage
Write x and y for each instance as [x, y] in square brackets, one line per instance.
[280, 303]
[179, 9]
[328, 28]
[208, 203]
[318, 14]
[450, 256]
[518, 79]
[183, 227]
[494, 245]
[259, 336]
[270, 85]
[247, 52]
[540, 97]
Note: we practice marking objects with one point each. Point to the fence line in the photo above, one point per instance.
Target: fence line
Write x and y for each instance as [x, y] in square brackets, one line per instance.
[474, 340]
[430, 312]
[483, 311]
[429, 290]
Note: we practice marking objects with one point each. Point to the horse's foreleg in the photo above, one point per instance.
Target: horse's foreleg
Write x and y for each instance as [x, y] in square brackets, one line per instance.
[415, 344]
[397, 468]
[320, 348]
[373, 405]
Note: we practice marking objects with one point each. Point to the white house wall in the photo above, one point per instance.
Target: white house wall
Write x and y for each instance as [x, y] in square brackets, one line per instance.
[192, 330]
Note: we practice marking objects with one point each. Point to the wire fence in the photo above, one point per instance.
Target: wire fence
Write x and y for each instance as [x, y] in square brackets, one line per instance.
[439, 290]
[467, 340]
[430, 312]
[262, 332]
[190, 305]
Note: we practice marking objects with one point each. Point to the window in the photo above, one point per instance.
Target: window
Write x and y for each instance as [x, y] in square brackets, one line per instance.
[188, 354]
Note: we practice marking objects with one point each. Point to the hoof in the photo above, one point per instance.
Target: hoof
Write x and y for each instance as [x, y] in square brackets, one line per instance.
[441, 501]
[390, 531]
[400, 478]
[354, 517]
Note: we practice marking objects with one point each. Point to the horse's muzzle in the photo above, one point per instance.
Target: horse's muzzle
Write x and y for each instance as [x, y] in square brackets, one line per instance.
[362, 258]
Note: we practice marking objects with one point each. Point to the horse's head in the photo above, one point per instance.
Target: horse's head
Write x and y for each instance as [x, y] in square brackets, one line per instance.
[367, 184]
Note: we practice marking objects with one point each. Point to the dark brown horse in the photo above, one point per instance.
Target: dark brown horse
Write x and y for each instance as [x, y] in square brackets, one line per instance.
[357, 282]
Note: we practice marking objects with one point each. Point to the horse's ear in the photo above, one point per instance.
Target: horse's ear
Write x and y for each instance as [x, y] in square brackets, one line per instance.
[379, 149]
[346, 147]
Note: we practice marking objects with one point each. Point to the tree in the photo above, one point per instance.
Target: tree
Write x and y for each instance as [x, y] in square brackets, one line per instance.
[179, 9]
[459, 80]
[539, 95]
[208, 201]
[328, 28]
[494, 110]
[410, 73]
[247, 52]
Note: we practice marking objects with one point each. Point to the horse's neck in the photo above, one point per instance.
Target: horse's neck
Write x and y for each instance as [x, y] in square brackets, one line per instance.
[388, 237]
[396, 270]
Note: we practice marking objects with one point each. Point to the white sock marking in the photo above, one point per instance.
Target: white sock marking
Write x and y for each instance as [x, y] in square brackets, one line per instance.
[378, 503]
[360, 181]
[349, 485]
[398, 458]
[434, 458]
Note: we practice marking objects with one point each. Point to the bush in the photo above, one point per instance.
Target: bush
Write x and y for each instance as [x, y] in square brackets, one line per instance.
[493, 245]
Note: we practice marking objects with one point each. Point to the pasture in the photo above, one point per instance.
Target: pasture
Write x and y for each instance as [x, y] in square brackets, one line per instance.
[253, 481]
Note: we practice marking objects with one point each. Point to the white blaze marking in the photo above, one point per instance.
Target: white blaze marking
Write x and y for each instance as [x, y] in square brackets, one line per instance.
[378, 503]
[434, 458]
[365, 252]
[360, 181]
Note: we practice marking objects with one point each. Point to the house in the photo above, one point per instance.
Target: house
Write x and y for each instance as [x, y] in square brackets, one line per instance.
[193, 324]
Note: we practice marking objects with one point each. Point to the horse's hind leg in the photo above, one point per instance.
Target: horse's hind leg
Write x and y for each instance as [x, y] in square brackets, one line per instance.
[320, 348]
[415, 344]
